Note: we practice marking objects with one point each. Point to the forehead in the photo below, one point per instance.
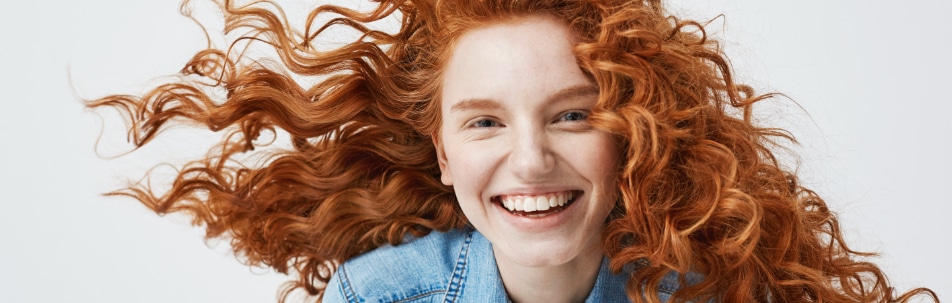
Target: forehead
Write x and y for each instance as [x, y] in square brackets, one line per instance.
[531, 54]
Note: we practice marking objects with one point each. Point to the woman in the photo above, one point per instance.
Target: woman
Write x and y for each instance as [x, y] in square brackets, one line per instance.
[535, 151]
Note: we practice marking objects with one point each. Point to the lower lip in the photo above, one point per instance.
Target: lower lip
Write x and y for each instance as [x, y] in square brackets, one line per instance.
[538, 222]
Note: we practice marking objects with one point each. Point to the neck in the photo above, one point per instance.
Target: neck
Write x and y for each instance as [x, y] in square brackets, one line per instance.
[566, 283]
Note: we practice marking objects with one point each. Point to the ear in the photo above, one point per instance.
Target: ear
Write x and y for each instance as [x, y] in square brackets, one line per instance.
[445, 176]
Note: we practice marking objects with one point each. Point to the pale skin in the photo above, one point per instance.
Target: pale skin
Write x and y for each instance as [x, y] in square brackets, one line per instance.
[515, 132]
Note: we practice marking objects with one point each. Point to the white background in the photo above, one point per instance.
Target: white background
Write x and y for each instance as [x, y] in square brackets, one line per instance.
[871, 76]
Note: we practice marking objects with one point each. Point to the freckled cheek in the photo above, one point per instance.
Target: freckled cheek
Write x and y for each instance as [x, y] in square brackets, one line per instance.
[592, 149]
[608, 157]
[473, 168]
[600, 158]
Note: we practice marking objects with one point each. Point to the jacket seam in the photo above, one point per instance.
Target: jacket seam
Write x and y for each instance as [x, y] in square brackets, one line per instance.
[459, 273]
[419, 296]
[349, 294]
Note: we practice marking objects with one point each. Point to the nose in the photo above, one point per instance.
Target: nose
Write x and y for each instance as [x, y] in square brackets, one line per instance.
[530, 157]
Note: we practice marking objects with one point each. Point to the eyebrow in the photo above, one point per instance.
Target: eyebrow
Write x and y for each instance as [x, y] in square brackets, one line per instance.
[477, 103]
[580, 90]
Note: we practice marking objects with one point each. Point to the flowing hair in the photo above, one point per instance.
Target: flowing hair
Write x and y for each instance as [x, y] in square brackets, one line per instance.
[700, 190]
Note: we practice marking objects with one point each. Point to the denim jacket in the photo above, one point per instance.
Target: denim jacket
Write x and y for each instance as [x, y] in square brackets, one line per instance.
[453, 266]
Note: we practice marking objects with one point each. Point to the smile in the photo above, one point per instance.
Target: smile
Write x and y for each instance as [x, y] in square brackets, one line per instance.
[537, 205]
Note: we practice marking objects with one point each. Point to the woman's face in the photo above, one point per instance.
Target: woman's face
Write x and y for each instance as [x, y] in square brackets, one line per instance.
[529, 171]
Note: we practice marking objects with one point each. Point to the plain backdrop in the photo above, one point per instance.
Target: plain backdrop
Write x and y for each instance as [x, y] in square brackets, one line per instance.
[870, 80]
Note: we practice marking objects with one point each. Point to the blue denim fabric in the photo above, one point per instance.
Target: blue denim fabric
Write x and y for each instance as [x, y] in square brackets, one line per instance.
[453, 266]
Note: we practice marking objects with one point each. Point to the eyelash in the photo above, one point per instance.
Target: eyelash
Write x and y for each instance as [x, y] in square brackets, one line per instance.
[577, 116]
[582, 116]
[483, 121]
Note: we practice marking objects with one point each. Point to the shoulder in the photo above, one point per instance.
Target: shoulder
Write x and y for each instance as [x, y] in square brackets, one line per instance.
[418, 269]
[611, 287]
[672, 282]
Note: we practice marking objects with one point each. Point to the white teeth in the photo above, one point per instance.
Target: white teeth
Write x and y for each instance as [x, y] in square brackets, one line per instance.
[529, 205]
[542, 203]
[536, 203]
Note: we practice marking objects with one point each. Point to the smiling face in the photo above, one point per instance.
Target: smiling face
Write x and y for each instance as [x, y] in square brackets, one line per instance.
[529, 171]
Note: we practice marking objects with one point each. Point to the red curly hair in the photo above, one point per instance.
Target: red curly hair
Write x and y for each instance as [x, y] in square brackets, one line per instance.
[700, 189]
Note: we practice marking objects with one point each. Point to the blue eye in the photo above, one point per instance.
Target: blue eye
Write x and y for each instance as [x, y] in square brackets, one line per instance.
[484, 123]
[574, 116]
